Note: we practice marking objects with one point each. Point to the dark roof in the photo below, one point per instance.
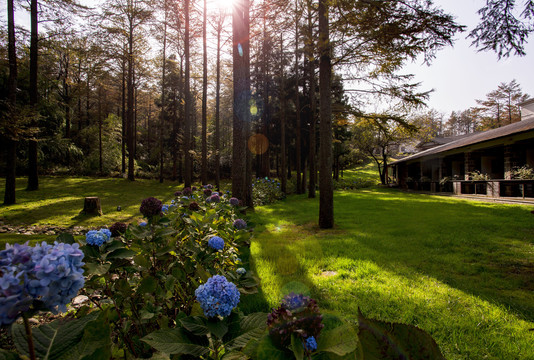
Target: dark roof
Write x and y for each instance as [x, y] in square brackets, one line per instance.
[515, 128]
[442, 140]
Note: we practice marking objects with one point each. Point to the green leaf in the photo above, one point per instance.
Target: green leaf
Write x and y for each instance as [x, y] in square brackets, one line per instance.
[113, 245]
[385, 340]
[96, 269]
[195, 325]
[54, 340]
[8, 355]
[251, 328]
[235, 355]
[148, 285]
[217, 327]
[266, 350]
[174, 341]
[340, 341]
[121, 253]
[96, 341]
[65, 238]
[296, 347]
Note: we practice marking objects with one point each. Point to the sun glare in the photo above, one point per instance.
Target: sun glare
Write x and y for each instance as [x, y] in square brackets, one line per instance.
[223, 4]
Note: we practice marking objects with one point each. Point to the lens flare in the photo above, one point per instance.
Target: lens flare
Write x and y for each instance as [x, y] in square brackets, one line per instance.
[258, 144]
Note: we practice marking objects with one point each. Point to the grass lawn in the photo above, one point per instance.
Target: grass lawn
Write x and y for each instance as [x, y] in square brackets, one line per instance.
[59, 200]
[461, 270]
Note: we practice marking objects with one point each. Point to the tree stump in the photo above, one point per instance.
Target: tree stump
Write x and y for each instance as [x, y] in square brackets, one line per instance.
[91, 206]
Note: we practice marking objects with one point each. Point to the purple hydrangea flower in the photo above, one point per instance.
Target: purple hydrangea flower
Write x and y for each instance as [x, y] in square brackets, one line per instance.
[193, 206]
[118, 228]
[214, 198]
[216, 243]
[294, 301]
[150, 207]
[217, 297]
[187, 191]
[207, 192]
[240, 224]
[234, 201]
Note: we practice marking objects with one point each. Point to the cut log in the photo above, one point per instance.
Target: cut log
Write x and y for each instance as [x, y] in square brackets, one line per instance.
[91, 206]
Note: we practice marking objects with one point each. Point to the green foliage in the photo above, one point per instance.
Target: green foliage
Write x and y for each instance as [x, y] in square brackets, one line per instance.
[266, 191]
[523, 173]
[151, 273]
[355, 184]
[478, 176]
[384, 340]
[85, 338]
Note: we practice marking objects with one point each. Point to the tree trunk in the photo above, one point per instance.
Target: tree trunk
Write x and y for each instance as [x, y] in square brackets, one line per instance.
[246, 49]
[130, 108]
[298, 162]
[311, 73]
[163, 99]
[283, 156]
[217, 109]
[326, 192]
[123, 112]
[204, 161]
[11, 156]
[187, 115]
[91, 206]
[241, 113]
[100, 128]
[33, 176]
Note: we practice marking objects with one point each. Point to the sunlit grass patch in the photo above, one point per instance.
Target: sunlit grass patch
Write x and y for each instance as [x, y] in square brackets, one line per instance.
[460, 270]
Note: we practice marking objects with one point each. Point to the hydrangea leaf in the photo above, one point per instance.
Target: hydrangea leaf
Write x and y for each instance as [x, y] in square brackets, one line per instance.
[385, 340]
[95, 343]
[195, 325]
[235, 355]
[340, 341]
[65, 238]
[296, 347]
[217, 327]
[8, 355]
[53, 340]
[96, 269]
[148, 285]
[266, 350]
[120, 254]
[174, 342]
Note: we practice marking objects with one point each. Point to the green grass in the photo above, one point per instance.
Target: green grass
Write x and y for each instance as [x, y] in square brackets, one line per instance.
[463, 271]
[59, 200]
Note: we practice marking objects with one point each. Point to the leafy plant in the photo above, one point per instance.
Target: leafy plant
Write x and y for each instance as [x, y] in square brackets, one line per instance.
[478, 176]
[266, 191]
[523, 173]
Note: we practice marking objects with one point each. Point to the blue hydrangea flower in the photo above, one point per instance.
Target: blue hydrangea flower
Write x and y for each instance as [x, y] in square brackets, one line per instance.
[143, 223]
[97, 237]
[310, 344]
[217, 297]
[50, 273]
[241, 271]
[216, 243]
[164, 208]
[240, 224]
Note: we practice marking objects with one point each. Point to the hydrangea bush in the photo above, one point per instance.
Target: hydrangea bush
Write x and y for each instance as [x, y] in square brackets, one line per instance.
[266, 191]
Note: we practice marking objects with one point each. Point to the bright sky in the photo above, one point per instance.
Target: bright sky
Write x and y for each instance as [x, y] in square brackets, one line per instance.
[459, 75]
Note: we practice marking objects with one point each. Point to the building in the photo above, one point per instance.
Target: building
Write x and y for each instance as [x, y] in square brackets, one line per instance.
[479, 163]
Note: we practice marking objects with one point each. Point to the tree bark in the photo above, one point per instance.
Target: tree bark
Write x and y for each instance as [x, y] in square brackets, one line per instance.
[163, 99]
[217, 108]
[123, 117]
[326, 192]
[100, 129]
[204, 160]
[187, 115]
[313, 123]
[283, 157]
[241, 113]
[11, 156]
[130, 107]
[33, 176]
[298, 162]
